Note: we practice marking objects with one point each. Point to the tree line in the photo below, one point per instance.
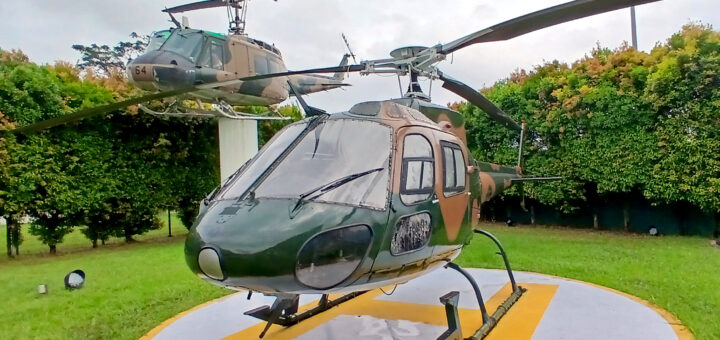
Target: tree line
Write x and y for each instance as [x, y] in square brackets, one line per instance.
[615, 123]
[109, 176]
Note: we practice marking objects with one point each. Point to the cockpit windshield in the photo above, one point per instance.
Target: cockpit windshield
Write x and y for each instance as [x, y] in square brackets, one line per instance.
[185, 43]
[254, 168]
[343, 161]
[328, 155]
[157, 39]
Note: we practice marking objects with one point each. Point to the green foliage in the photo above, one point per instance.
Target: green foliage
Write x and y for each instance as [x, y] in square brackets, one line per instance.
[616, 121]
[105, 59]
[111, 174]
[268, 128]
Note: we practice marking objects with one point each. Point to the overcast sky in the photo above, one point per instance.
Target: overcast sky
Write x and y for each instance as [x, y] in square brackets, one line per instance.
[308, 33]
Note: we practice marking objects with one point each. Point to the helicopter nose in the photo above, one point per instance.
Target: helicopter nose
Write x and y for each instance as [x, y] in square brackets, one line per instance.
[259, 247]
[235, 245]
[161, 70]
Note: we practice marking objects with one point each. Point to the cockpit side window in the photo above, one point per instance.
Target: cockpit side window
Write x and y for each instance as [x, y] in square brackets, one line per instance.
[213, 55]
[418, 170]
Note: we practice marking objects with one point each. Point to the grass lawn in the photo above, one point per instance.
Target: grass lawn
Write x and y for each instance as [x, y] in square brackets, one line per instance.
[132, 288]
[679, 274]
[76, 241]
[128, 290]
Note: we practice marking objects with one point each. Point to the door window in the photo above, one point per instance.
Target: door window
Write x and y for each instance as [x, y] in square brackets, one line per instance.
[418, 170]
[453, 169]
[261, 64]
[411, 233]
[213, 56]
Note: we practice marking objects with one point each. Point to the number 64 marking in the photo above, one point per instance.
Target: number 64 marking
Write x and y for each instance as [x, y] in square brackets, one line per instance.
[139, 70]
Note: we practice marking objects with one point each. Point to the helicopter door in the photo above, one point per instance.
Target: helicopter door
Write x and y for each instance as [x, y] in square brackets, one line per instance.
[453, 196]
[239, 59]
[415, 211]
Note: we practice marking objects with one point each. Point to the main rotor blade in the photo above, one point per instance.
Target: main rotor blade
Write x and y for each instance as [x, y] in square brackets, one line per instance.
[332, 69]
[82, 114]
[477, 99]
[199, 5]
[93, 111]
[539, 20]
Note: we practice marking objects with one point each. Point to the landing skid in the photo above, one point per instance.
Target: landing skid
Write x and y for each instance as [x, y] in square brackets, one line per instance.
[450, 300]
[219, 110]
[284, 311]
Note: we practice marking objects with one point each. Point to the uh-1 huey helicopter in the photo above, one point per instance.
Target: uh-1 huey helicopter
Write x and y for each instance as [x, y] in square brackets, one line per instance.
[362, 199]
[204, 66]
[182, 56]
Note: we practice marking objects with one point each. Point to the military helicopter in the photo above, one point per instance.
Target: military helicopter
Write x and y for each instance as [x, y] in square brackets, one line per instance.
[183, 56]
[362, 199]
[204, 66]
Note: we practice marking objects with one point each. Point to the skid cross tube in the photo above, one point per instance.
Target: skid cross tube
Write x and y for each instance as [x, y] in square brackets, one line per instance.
[476, 289]
[504, 256]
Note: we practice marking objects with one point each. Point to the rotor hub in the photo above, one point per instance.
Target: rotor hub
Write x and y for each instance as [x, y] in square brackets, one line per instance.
[407, 52]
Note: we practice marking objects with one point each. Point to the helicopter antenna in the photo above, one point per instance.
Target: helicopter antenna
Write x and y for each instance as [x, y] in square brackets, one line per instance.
[347, 44]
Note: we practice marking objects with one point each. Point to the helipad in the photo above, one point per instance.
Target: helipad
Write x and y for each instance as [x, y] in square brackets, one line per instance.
[551, 308]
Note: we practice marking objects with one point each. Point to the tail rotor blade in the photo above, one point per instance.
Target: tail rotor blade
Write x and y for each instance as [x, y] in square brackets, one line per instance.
[477, 99]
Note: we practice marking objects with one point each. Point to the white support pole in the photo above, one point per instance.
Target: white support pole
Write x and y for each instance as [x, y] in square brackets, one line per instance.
[238, 143]
[633, 27]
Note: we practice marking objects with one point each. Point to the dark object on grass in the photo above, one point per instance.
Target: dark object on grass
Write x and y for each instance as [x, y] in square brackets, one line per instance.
[653, 231]
[75, 279]
[510, 222]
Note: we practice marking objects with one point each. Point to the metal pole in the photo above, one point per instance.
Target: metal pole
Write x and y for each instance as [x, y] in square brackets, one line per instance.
[169, 225]
[522, 138]
[634, 27]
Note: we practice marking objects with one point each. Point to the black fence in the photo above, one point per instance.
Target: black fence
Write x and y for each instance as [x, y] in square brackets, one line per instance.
[612, 213]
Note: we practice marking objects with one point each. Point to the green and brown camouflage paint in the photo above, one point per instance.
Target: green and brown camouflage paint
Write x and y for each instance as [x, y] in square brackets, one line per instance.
[259, 239]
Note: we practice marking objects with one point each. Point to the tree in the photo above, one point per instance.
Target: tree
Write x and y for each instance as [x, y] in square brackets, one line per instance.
[105, 60]
[617, 123]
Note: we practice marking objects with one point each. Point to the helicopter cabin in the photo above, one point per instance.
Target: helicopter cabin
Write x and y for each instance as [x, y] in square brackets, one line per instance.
[228, 56]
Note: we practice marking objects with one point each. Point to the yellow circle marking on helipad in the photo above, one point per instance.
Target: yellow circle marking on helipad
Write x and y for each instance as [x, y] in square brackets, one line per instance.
[551, 307]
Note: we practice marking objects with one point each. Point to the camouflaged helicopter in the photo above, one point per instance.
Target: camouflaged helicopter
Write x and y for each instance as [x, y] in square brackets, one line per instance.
[204, 66]
[182, 57]
[362, 199]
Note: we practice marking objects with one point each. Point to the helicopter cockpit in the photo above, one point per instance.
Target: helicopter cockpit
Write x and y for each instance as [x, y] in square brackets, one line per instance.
[174, 56]
[186, 43]
[322, 161]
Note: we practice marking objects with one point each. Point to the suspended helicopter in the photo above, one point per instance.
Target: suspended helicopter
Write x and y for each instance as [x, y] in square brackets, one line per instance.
[362, 199]
[183, 58]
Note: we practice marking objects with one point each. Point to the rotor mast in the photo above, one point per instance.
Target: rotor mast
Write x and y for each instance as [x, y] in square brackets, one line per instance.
[237, 12]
